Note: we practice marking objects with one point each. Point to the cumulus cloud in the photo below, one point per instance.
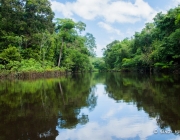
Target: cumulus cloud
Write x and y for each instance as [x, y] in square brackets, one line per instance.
[174, 3]
[111, 11]
[123, 128]
[61, 8]
[109, 28]
[112, 112]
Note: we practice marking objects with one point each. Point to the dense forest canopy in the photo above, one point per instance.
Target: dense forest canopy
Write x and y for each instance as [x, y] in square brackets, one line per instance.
[157, 46]
[31, 39]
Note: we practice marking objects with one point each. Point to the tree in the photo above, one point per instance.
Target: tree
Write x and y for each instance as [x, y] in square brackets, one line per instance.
[63, 29]
[11, 21]
[9, 56]
[66, 33]
[27, 26]
[156, 45]
[24, 18]
[90, 43]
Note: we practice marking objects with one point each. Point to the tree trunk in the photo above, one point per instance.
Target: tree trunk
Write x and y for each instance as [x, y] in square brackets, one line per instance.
[61, 91]
[60, 55]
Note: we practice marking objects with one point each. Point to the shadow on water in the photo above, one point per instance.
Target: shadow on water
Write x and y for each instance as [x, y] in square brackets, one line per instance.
[34, 109]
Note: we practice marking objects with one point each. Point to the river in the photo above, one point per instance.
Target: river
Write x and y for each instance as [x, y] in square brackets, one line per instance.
[91, 106]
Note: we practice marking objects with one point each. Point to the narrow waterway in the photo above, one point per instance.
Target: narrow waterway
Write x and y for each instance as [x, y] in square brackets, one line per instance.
[96, 106]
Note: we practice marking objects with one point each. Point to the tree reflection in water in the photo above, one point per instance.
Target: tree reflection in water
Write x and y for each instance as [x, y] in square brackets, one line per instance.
[34, 109]
[157, 95]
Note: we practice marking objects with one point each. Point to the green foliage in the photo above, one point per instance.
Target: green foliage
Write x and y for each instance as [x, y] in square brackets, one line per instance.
[75, 60]
[9, 58]
[30, 65]
[30, 41]
[11, 54]
[157, 45]
[24, 19]
[98, 64]
[127, 62]
[73, 50]
[50, 102]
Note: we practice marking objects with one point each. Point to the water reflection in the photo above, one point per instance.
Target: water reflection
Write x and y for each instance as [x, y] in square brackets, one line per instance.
[111, 120]
[34, 109]
[91, 106]
[156, 95]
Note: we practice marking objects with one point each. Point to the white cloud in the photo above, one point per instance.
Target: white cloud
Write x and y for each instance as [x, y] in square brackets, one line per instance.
[120, 128]
[112, 112]
[109, 28]
[173, 4]
[176, 2]
[109, 10]
[62, 8]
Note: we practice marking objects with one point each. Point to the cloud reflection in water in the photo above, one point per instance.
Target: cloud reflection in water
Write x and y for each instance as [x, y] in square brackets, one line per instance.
[111, 120]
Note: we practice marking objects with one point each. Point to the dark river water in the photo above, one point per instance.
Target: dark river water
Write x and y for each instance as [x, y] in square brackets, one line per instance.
[96, 106]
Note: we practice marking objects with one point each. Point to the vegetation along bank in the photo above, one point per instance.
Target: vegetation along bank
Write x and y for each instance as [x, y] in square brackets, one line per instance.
[32, 40]
[156, 48]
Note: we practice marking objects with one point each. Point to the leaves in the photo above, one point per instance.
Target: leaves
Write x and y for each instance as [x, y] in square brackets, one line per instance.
[37, 42]
[157, 43]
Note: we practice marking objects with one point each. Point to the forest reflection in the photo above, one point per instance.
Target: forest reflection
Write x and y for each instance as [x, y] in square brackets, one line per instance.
[157, 95]
[35, 109]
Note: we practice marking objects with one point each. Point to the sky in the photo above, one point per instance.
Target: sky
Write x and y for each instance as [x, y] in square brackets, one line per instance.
[110, 20]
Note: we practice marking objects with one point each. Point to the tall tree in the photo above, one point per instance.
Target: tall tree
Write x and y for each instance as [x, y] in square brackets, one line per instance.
[90, 43]
[24, 19]
[67, 32]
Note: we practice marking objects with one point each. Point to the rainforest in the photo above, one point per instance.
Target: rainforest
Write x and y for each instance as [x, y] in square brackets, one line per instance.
[32, 39]
[55, 86]
[155, 48]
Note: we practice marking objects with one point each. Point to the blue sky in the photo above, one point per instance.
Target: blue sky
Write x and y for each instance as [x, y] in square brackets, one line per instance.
[110, 20]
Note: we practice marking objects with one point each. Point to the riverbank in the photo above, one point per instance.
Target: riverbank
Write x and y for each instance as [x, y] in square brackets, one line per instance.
[61, 72]
[170, 70]
[32, 74]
